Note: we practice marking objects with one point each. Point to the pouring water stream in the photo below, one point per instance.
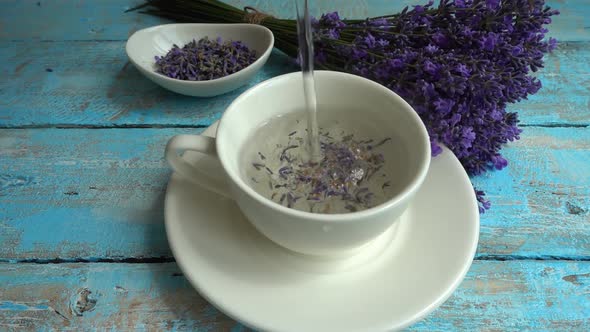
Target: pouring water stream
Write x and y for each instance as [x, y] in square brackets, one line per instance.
[306, 57]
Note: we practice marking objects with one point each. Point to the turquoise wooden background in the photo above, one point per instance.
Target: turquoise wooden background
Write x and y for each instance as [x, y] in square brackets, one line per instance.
[82, 242]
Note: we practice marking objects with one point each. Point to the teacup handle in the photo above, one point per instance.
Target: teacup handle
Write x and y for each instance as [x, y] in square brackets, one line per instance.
[177, 145]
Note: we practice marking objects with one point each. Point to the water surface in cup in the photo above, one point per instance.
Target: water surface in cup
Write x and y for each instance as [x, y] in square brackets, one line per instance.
[362, 162]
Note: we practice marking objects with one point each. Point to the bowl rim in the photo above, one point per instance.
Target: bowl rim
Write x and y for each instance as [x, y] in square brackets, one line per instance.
[229, 77]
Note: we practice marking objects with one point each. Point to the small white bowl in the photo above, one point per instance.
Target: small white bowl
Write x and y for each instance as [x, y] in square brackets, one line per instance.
[147, 43]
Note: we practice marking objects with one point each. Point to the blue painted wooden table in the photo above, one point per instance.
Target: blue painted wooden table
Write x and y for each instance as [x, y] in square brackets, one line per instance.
[82, 240]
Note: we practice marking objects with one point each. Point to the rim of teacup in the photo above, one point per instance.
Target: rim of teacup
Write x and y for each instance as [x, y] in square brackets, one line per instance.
[408, 190]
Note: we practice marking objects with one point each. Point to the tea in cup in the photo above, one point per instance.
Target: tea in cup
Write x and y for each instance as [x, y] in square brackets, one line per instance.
[375, 156]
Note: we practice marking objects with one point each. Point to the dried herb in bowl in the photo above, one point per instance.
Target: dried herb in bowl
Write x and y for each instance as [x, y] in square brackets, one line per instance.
[205, 59]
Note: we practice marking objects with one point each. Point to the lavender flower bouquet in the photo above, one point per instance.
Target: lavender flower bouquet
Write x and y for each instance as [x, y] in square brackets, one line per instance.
[458, 64]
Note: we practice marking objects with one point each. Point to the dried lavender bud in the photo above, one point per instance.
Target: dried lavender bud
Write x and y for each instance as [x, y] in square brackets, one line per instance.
[205, 60]
[258, 166]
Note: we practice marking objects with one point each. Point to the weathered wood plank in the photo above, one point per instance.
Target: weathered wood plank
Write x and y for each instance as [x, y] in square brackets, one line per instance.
[71, 19]
[99, 194]
[545, 190]
[107, 20]
[83, 193]
[517, 296]
[91, 83]
[495, 296]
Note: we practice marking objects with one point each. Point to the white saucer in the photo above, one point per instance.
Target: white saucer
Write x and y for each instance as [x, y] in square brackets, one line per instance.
[397, 280]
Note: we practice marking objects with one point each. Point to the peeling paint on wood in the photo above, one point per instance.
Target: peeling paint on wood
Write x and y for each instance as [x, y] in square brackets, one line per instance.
[491, 298]
[84, 302]
[75, 297]
[573, 208]
[20, 67]
[12, 181]
[578, 279]
[543, 162]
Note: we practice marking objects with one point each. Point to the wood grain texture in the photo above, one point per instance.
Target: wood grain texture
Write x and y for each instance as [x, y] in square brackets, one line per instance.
[83, 193]
[52, 20]
[91, 83]
[107, 20]
[495, 296]
[98, 194]
[540, 196]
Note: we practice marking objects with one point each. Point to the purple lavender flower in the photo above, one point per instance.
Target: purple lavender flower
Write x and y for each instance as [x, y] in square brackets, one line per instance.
[333, 34]
[459, 65]
[382, 42]
[418, 9]
[370, 41]
[552, 44]
[431, 48]
[499, 162]
[380, 22]
[435, 148]
[484, 204]
[460, 3]
[331, 19]
[443, 106]
[440, 39]
[463, 70]
[428, 90]
[430, 67]
[489, 41]
[516, 50]
[396, 63]
[467, 32]
[492, 4]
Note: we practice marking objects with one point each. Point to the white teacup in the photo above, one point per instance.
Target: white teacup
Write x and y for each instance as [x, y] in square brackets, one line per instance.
[305, 232]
